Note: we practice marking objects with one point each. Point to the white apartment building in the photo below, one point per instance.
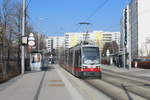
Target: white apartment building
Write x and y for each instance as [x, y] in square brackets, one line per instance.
[97, 37]
[54, 42]
[71, 39]
[111, 36]
[116, 37]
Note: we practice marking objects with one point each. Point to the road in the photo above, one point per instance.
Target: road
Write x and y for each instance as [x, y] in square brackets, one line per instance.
[54, 83]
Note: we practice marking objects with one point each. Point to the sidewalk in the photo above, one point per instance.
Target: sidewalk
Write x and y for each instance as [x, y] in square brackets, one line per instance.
[24, 88]
[138, 72]
[42, 85]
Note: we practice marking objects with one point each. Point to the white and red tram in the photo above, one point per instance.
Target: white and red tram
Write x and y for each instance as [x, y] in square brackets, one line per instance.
[83, 61]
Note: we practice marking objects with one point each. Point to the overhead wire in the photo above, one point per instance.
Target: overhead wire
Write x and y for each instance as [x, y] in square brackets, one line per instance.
[28, 4]
[97, 9]
[100, 6]
[35, 25]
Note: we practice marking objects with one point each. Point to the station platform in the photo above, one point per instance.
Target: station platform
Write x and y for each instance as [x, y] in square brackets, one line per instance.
[49, 84]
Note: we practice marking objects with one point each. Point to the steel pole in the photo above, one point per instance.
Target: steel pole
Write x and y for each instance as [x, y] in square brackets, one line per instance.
[124, 58]
[130, 52]
[23, 33]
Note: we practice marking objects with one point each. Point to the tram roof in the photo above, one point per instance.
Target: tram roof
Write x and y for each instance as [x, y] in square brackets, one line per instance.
[81, 45]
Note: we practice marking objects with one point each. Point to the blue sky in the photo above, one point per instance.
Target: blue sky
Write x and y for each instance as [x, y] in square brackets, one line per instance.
[55, 17]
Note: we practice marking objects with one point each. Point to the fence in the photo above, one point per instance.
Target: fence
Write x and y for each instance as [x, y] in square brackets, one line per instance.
[9, 62]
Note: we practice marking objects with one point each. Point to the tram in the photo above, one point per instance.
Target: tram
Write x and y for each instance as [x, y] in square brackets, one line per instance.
[36, 61]
[83, 60]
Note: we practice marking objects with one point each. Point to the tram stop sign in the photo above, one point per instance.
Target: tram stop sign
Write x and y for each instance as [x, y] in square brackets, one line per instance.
[31, 43]
[31, 40]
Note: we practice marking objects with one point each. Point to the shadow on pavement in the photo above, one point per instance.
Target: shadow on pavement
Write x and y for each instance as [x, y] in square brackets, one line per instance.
[146, 84]
[47, 68]
[127, 93]
[44, 68]
[135, 85]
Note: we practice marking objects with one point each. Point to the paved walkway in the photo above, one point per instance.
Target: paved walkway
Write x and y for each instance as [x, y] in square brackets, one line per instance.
[43, 85]
[24, 88]
[133, 71]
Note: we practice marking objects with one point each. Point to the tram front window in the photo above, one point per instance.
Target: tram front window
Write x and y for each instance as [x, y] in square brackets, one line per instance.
[91, 55]
[36, 58]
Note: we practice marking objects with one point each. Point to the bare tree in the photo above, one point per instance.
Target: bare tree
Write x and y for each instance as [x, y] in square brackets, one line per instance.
[5, 14]
[147, 46]
[10, 33]
[40, 41]
[111, 46]
[10, 22]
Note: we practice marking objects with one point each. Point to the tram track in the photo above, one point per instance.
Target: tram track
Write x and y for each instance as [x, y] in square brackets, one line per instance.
[129, 89]
[127, 79]
[114, 92]
[120, 87]
[136, 88]
[126, 74]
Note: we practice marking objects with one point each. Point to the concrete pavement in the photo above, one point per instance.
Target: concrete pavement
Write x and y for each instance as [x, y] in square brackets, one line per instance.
[43, 85]
[24, 88]
[54, 83]
[56, 87]
[135, 72]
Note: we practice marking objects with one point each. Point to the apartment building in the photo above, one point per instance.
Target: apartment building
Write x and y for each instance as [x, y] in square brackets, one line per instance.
[99, 38]
[54, 42]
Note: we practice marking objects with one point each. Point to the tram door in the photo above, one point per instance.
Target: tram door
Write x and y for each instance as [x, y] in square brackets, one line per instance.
[77, 59]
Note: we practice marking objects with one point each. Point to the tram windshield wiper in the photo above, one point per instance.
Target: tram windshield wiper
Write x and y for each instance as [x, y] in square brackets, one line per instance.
[92, 63]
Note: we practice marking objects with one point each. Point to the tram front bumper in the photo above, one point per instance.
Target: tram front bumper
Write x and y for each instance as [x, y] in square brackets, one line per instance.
[90, 74]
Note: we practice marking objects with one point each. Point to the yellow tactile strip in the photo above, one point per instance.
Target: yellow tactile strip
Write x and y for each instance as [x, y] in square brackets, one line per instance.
[55, 80]
[56, 83]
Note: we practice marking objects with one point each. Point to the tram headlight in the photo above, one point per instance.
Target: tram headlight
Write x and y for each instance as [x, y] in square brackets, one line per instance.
[84, 67]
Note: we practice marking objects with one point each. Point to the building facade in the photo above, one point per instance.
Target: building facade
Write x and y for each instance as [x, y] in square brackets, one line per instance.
[97, 37]
[125, 37]
[140, 31]
[135, 31]
[133, 28]
[54, 42]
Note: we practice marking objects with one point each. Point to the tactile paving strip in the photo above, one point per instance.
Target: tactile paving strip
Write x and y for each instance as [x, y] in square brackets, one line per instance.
[56, 83]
